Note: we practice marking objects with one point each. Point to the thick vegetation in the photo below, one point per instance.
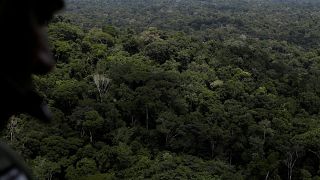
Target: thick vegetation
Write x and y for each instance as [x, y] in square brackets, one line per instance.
[179, 90]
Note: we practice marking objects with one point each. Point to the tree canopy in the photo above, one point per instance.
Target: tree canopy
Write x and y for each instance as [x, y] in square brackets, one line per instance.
[155, 89]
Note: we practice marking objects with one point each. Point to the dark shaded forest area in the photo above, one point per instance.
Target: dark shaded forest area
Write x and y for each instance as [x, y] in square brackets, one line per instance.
[179, 89]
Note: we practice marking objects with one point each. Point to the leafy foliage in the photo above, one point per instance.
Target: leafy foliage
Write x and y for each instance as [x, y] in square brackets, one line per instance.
[197, 90]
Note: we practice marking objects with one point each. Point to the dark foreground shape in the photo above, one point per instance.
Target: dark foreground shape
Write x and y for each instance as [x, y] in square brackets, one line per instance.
[11, 166]
[24, 51]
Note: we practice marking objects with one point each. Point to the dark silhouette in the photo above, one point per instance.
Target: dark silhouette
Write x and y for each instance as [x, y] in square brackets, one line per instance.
[23, 51]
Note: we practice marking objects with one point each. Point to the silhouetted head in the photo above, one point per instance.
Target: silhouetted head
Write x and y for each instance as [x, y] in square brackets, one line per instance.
[24, 51]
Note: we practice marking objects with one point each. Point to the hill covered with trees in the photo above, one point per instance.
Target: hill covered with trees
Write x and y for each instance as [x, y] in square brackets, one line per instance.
[159, 89]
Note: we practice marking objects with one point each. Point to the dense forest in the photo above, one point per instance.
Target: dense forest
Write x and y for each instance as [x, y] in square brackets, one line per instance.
[178, 89]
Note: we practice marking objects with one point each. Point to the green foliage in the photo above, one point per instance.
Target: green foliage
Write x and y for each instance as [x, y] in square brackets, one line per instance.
[198, 90]
[159, 51]
[65, 32]
[84, 167]
[45, 169]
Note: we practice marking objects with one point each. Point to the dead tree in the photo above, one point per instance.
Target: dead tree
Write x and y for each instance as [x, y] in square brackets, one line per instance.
[12, 127]
[102, 83]
[290, 162]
